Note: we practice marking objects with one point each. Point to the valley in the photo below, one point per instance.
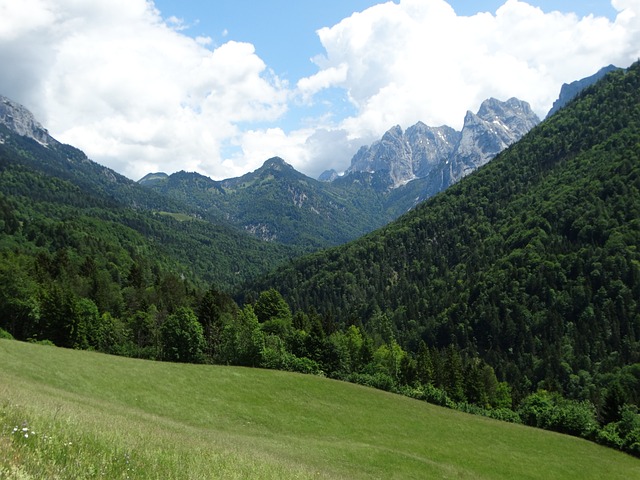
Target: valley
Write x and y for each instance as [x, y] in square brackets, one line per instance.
[508, 291]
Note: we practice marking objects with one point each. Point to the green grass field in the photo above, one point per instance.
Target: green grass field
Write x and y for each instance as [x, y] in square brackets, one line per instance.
[72, 414]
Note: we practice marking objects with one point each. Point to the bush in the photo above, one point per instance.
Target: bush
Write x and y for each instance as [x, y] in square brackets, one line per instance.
[5, 334]
[609, 435]
[430, 394]
[302, 365]
[552, 412]
[629, 428]
[575, 418]
[46, 342]
[503, 414]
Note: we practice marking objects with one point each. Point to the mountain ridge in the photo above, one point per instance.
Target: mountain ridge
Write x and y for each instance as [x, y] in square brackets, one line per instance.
[422, 150]
[569, 91]
[521, 262]
[385, 180]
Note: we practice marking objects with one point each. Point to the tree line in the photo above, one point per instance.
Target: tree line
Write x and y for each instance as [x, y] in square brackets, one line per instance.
[148, 313]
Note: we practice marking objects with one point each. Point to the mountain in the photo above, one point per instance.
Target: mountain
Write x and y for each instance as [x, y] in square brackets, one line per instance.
[21, 121]
[151, 178]
[441, 154]
[68, 163]
[569, 91]
[276, 203]
[406, 155]
[532, 262]
[485, 134]
[54, 199]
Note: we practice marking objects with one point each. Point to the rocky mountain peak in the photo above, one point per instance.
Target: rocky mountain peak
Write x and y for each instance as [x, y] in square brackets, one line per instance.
[485, 134]
[21, 121]
[422, 149]
[393, 134]
[328, 176]
[276, 164]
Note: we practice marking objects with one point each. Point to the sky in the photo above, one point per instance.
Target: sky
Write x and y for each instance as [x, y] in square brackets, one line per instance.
[219, 86]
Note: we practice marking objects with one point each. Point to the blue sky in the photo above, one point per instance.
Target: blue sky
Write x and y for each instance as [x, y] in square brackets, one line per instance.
[284, 31]
[220, 86]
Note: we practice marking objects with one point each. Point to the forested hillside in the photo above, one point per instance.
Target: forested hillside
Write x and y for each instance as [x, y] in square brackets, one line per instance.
[278, 204]
[79, 267]
[55, 198]
[531, 263]
[513, 294]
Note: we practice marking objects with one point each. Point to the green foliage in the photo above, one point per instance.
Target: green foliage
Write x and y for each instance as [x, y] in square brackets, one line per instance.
[182, 337]
[273, 313]
[625, 433]
[242, 341]
[531, 263]
[552, 412]
[379, 380]
[94, 213]
[6, 335]
[277, 203]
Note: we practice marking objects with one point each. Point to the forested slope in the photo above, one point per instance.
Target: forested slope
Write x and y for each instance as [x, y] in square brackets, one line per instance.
[55, 198]
[81, 267]
[532, 262]
[278, 204]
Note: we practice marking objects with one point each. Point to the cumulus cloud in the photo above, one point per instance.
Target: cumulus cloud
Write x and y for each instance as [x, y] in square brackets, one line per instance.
[132, 90]
[138, 94]
[418, 60]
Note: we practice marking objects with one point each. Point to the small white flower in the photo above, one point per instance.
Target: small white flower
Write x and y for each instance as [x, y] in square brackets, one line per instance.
[26, 435]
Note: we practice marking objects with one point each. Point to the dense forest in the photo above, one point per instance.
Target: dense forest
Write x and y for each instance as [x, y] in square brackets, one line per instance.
[531, 264]
[55, 198]
[513, 294]
[279, 204]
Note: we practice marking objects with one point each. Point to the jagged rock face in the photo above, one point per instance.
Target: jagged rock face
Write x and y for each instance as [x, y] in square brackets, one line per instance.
[429, 145]
[392, 154]
[21, 121]
[406, 155]
[328, 176]
[442, 152]
[485, 134]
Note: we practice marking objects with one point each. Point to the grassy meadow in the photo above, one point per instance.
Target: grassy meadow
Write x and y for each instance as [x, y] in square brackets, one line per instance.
[74, 414]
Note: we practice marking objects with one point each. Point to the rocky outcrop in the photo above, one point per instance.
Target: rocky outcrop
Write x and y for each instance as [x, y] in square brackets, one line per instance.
[442, 153]
[21, 121]
[485, 134]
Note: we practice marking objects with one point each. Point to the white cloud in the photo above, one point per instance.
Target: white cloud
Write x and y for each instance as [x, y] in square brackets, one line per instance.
[418, 60]
[326, 78]
[133, 91]
[311, 150]
[138, 94]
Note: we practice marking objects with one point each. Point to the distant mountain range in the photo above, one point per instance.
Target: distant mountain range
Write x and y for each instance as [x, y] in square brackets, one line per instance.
[278, 204]
[422, 151]
[54, 199]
